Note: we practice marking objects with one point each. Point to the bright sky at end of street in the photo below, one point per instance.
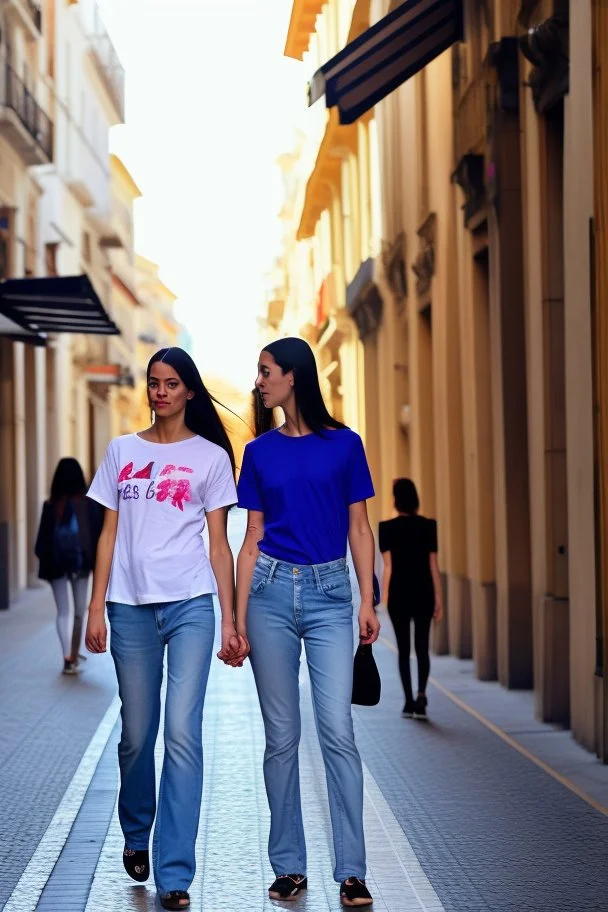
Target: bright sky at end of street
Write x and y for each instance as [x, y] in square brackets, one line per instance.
[211, 103]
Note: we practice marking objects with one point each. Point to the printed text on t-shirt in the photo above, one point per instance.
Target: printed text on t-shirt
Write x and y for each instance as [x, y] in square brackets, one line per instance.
[169, 485]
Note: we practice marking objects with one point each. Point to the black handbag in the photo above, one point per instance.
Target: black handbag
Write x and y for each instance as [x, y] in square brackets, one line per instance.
[366, 677]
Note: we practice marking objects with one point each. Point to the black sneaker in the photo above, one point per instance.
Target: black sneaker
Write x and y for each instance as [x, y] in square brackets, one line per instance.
[287, 886]
[420, 707]
[353, 892]
[408, 709]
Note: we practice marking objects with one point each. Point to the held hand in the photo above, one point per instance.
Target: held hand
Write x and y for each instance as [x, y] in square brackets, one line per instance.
[237, 660]
[438, 612]
[230, 643]
[369, 626]
[238, 652]
[96, 635]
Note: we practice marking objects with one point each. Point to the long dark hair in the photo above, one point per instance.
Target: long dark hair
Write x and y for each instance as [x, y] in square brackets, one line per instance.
[68, 480]
[201, 416]
[292, 354]
[405, 496]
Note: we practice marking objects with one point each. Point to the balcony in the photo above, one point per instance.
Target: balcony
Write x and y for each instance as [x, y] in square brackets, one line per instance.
[28, 13]
[119, 232]
[106, 62]
[23, 123]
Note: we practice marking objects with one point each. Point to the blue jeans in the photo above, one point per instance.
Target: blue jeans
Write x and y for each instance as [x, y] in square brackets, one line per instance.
[139, 636]
[288, 604]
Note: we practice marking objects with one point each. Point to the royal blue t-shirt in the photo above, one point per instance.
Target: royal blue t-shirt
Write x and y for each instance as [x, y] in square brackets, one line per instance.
[304, 486]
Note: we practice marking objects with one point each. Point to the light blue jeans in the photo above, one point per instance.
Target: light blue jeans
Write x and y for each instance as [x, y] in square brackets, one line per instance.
[140, 634]
[288, 604]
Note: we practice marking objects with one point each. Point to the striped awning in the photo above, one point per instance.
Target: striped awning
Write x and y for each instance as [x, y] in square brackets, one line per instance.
[386, 55]
[56, 304]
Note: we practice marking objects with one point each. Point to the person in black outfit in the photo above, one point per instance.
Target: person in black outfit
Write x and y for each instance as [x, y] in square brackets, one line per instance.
[411, 587]
[66, 546]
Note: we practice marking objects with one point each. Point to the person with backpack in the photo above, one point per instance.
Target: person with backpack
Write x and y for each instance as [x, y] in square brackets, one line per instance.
[66, 547]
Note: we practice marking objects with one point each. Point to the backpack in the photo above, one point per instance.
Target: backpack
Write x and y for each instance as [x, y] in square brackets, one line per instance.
[67, 549]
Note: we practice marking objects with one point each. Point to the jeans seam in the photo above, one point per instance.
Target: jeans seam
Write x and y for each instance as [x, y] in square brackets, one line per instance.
[158, 829]
[339, 849]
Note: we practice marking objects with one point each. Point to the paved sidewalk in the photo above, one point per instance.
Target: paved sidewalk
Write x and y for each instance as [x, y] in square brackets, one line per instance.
[512, 712]
[456, 818]
[46, 722]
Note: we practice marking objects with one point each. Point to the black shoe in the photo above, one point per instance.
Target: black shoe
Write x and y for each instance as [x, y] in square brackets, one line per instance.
[420, 707]
[287, 886]
[137, 863]
[176, 900]
[353, 892]
[408, 709]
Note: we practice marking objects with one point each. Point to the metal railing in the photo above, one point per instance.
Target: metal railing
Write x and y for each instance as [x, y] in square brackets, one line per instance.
[20, 100]
[108, 58]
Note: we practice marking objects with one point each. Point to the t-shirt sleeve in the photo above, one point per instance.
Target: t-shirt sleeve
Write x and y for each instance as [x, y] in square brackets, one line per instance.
[359, 480]
[104, 487]
[220, 490]
[384, 537]
[250, 495]
[432, 536]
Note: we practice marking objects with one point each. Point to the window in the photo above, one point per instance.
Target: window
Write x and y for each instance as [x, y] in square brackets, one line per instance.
[86, 247]
[6, 218]
[50, 259]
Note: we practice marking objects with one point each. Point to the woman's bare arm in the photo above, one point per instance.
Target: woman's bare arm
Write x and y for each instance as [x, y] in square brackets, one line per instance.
[222, 562]
[245, 565]
[386, 576]
[361, 539]
[96, 635]
[434, 565]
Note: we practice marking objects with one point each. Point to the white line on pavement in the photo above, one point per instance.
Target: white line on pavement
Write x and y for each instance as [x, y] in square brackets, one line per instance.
[26, 894]
[382, 830]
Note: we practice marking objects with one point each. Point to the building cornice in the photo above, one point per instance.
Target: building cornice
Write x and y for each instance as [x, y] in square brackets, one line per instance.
[119, 168]
[339, 140]
[301, 26]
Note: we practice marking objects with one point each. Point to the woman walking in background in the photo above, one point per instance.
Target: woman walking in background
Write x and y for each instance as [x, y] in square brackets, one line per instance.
[66, 546]
[305, 485]
[160, 487]
[411, 587]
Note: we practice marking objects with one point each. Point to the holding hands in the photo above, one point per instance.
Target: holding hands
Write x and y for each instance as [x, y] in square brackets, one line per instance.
[235, 646]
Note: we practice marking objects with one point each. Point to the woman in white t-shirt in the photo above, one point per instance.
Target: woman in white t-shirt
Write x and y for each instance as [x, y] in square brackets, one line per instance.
[159, 487]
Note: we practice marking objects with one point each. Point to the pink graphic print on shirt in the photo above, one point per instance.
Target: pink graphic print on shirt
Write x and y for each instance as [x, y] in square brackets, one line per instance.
[172, 488]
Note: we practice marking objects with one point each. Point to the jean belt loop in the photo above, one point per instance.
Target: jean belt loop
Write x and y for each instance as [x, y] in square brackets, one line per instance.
[315, 570]
[272, 570]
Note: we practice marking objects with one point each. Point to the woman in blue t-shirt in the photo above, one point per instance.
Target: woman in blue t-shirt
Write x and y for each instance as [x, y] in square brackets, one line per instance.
[305, 485]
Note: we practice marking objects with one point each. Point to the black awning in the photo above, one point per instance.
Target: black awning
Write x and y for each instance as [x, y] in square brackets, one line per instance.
[386, 55]
[58, 304]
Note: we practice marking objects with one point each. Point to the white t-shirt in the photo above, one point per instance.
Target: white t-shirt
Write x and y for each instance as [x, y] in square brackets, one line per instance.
[162, 492]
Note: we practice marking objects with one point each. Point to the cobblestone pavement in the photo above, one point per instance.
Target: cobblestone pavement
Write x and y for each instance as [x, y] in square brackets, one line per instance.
[455, 818]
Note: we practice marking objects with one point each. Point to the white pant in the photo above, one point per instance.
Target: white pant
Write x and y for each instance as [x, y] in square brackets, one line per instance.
[67, 612]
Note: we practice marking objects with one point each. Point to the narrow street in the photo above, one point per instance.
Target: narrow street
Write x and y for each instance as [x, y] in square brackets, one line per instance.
[457, 817]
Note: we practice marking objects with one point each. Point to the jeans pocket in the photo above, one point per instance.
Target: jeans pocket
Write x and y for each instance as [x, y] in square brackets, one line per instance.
[337, 586]
[259, 581]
